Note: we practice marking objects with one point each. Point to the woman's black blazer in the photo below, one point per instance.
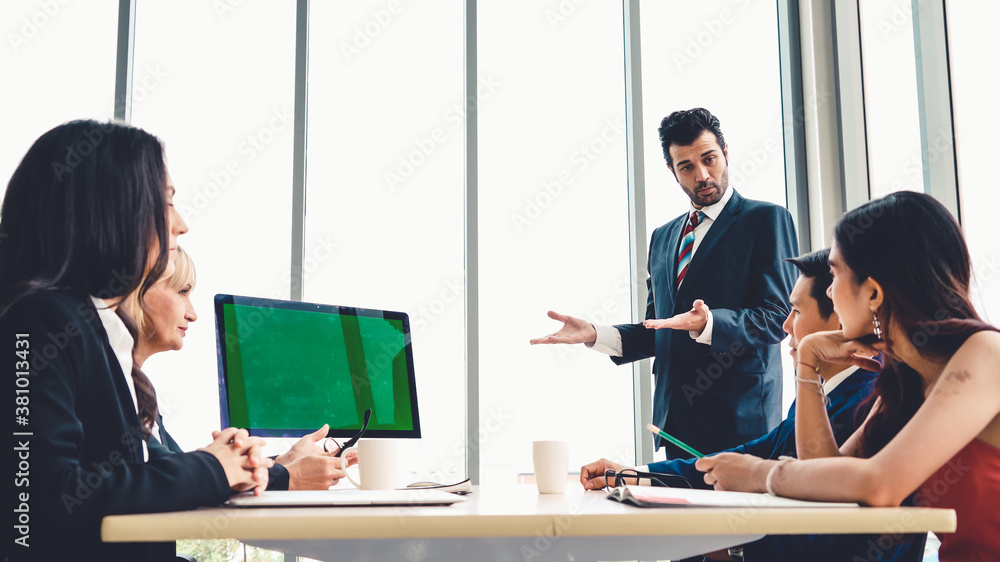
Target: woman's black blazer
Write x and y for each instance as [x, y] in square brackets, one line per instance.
[74, 454]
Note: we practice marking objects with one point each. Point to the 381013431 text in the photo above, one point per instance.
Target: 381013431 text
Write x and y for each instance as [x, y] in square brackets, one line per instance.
[22, 439]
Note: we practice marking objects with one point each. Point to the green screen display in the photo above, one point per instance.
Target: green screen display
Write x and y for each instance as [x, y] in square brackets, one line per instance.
[290, 367]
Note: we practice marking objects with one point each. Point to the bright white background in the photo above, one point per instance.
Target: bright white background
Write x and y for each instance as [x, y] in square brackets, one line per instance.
[58, 65]
[975, 73]
[553, 229]
[890, 78]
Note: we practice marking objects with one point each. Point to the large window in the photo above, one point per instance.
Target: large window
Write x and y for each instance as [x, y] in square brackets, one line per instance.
[226, 120]
[58, 61]
[974, 65]
[722, 56]
[890, 84]
[553, 226]
[385, 186]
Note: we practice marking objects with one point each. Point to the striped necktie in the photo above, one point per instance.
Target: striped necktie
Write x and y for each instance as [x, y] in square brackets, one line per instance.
[687, 245]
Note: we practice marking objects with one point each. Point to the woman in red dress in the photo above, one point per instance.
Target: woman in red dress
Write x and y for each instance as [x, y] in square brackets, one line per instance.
[902, 274]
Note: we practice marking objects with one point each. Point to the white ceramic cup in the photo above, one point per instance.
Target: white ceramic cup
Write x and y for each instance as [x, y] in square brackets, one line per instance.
[378, 465]
[551, 460]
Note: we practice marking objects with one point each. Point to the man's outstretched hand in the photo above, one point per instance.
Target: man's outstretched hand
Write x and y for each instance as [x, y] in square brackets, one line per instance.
[693, 320]
[574, 330]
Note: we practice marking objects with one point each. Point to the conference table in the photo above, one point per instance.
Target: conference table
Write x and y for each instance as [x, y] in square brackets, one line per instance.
[514, 523]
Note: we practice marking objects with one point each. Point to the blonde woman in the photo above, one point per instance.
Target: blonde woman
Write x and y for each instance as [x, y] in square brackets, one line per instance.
[163, 322]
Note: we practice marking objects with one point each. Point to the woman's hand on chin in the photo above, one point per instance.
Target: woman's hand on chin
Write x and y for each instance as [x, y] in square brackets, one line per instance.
[833, 347]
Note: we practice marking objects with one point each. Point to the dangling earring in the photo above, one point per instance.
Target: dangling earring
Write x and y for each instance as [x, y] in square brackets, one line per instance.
[878, 325]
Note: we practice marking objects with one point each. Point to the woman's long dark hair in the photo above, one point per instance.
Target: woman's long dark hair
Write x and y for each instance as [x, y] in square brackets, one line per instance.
[911, 245]
[84, 211]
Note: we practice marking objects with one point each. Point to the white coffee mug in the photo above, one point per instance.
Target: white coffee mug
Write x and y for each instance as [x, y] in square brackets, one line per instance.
[551, 459]
[378, 465]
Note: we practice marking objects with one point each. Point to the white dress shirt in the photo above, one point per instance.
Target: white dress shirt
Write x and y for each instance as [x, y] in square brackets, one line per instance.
[121, 342]
[609, 339]
[835, 380]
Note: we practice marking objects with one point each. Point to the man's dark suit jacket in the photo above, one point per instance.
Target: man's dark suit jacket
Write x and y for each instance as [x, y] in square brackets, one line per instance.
[845, 417]
[85, 447]
[716, 397]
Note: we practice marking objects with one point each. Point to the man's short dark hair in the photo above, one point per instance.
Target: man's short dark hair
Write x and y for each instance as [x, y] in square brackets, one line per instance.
[684, 127]
[816, 266]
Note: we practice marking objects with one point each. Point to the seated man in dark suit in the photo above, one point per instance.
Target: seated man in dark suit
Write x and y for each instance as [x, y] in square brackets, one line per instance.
[846, 391]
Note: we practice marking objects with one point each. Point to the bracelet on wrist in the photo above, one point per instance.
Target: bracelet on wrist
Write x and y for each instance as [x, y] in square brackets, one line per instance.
[770, 473]
[819, 386]
[815, 370]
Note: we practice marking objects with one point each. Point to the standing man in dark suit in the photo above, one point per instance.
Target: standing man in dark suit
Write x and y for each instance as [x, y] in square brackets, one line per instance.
[718, 294]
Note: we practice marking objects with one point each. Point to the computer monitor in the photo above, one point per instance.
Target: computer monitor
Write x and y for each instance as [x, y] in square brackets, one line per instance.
[286, 368]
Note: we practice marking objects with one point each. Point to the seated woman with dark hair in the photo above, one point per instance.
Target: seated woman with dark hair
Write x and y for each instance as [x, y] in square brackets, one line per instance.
[87, 219]
[901, 279]
[162, 321]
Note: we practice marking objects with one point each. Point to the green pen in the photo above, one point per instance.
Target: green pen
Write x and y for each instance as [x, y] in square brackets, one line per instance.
[673, 440]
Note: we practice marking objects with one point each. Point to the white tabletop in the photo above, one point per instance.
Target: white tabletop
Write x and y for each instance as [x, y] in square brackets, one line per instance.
[514, 523]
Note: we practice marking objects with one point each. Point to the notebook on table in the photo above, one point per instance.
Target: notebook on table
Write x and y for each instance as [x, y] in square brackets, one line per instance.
[649, 496]
[343, 498]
